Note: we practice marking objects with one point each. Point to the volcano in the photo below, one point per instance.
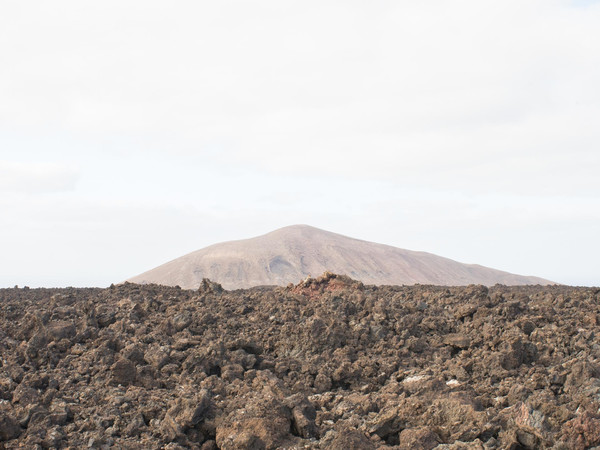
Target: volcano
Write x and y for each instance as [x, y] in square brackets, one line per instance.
[290, 254]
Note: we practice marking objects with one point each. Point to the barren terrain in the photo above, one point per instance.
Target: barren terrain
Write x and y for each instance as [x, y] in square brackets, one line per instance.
[328, 363]
[295, 252]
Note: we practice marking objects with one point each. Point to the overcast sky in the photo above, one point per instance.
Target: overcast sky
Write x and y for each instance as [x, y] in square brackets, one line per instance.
[133, 132]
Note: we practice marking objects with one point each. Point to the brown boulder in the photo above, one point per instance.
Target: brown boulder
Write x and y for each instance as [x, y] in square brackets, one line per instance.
[421, 438]
[254, 433]
[458, 415]
[583, 431]
[263, 422]
[184, 414]
[232, 372]
[457, 340]
[157, 357]
[135, 426]
[182, 320]
[580, 374]
[123, 372]
[133, 353]
[303, 417]
[61, 330]
[37, 343]
[517, 353]
[9, 428]
[387, 424]
[530, 420]
[349, 438]
[25, 395]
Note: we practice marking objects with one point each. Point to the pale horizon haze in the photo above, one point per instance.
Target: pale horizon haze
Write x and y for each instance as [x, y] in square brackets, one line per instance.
[132, 133]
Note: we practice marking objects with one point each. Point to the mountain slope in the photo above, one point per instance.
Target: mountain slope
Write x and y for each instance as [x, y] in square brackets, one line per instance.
[292, 253]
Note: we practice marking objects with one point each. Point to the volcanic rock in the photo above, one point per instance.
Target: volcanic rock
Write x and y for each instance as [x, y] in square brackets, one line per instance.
[9, 428]
[293, 253]
[423, 438]
[324, 363]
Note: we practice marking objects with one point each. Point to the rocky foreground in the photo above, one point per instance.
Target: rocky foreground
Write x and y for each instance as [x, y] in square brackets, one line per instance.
[328, 363]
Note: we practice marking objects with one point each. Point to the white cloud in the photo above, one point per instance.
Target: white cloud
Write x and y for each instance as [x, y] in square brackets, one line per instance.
[36, 177]
[436, 121]
[414, 92]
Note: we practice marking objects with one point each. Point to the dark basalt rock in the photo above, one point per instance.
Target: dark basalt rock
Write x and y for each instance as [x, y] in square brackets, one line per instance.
[328, 363]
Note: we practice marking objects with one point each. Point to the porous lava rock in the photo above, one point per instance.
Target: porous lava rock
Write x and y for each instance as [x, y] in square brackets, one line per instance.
[328, 363]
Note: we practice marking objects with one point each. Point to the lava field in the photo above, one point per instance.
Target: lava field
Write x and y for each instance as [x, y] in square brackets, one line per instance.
[328, 363]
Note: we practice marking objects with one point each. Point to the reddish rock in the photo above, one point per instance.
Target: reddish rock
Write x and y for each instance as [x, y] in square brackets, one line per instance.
[583, 431]
[530, 420]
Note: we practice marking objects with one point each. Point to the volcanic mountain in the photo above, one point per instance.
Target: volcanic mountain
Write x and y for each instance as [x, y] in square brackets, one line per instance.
[293, 253]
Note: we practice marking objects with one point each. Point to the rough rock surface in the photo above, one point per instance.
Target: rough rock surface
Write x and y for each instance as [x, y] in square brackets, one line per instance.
[328, 363]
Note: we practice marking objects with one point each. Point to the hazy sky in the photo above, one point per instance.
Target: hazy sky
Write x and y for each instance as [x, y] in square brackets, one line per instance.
[132, 132]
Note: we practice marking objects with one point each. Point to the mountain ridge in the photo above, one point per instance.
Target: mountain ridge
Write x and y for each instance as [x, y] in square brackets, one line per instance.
[292, 253]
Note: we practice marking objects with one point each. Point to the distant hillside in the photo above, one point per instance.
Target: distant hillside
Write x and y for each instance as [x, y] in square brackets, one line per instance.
[292, 253]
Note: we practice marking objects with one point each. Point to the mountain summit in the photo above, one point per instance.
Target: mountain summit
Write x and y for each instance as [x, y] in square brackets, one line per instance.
[290, 254]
